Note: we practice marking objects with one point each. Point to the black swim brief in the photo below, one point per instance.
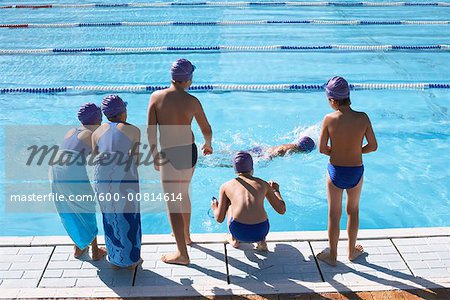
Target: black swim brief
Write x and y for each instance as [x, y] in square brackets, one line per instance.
[181, 157]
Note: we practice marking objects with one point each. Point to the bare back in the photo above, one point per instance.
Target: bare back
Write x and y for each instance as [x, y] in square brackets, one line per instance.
[246, 195]
[346, 132]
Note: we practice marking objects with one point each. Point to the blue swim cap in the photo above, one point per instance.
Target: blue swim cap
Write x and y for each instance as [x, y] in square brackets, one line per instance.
[243, 162]
[306, 144]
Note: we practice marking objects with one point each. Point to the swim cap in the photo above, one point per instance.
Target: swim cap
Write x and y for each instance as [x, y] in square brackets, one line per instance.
[337, 88]
[243, 162]
[306, 144]
[182, 70]
[89, 114]
[113, 105]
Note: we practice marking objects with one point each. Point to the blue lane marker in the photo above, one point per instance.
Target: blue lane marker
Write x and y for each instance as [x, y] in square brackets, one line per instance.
[60, 50]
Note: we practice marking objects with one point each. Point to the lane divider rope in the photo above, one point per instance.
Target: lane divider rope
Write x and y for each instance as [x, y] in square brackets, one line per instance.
[213, 49]
[227, 4]
[222, 88]
[227, 23]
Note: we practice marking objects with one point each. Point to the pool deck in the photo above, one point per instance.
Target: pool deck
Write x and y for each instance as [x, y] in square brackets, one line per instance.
[406, 259]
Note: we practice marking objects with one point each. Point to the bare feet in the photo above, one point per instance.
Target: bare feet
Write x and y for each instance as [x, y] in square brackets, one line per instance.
[262, 246]
[232, 241]
[175, 258]
[325, 256]
[79, 252]
[355, 253]
[98, 253]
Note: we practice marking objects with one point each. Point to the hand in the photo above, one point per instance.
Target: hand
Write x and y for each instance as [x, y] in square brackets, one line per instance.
[207, 149]
[214, 205]
[157, 167]
[274, 185]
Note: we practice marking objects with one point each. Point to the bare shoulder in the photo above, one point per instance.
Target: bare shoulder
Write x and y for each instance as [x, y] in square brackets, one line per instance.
[129, 129]
[330, 117]
[362, 115]
[156, 95]
[262, 182]
[99, 131]
[225, 186]
[85, 134]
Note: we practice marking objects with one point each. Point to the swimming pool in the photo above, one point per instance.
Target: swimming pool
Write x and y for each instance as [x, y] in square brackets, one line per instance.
[406, 181]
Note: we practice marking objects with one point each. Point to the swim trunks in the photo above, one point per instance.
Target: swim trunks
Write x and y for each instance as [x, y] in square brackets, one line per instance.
[345, 177]
[249, 233]
[181, 157]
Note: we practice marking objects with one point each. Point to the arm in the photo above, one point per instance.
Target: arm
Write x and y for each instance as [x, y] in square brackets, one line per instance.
[152, 131]
[136, 144]
[324, 137]
[94, 145]
[372, 144]
[220, 208]
[274, 197]
[202, 121]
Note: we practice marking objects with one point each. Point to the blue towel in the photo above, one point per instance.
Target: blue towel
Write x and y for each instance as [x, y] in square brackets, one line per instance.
[121, 218]
[78, 218]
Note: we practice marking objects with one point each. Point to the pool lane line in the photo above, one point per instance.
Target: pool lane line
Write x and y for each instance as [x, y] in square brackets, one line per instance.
[222, 88]
[217, 49]
[230, 4]
[226, 23]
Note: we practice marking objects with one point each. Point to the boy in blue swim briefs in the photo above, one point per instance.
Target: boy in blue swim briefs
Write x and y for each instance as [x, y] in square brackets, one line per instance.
[346, 129]
[242, 200]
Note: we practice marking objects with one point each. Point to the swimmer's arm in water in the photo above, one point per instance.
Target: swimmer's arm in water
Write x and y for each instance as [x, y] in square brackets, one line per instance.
[94, 141]
[324, 137]
[202, 121]
[220, 207]
[274, 197]
[152, 130]
[372, 144]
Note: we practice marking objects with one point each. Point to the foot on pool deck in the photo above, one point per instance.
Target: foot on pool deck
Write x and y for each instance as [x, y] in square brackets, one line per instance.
[175, 258]
[355, 253]
[262, 246]
[231, 240]
[79, 252]
[325, 256]
[98, 253]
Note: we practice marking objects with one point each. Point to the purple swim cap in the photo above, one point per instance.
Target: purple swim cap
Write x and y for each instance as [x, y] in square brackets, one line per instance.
[89, 114]
[182, 70]
[337, 88]
[306, 144]
[243, 162]
[113, 105]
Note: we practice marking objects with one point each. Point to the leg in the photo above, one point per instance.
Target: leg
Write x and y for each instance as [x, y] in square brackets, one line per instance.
[79, 252]
[262, 246]
[175, 212]
[334, 216]
[353, 196]
[187, 204]
[229, 237]
[97, 252]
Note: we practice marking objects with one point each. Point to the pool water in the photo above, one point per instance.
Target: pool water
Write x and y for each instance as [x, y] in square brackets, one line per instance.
[406, 181]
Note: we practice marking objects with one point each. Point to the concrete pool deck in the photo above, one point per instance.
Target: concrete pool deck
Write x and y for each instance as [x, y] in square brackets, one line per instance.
[407, 259]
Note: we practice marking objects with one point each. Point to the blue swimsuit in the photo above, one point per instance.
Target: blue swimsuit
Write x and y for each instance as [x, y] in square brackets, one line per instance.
[249, 233]
[345, 177]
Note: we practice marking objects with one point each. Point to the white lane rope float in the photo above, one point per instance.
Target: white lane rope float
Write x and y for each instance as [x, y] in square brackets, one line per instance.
[215, 49]
[227, 23]
[221, 88]
[228, 4]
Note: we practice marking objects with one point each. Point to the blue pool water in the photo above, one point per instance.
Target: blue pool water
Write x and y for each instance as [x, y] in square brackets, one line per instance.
[406, 181]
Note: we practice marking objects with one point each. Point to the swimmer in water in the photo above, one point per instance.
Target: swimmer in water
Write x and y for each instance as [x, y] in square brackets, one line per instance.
[305, 144]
